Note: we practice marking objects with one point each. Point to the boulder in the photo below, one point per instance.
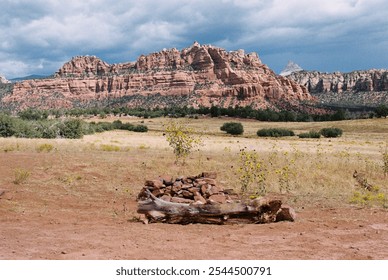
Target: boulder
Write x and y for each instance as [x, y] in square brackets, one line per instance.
[286, 213]
[217, 198]
[155, 183]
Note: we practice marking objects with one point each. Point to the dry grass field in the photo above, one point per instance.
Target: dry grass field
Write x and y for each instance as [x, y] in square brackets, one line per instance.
[75, 199]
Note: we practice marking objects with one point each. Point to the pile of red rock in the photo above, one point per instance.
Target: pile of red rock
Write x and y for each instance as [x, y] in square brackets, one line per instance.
[199, 199]
[200, 189]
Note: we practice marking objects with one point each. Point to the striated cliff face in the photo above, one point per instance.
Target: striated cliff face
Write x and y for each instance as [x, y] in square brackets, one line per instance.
[195, 76]
[357, 81]
[357, 89]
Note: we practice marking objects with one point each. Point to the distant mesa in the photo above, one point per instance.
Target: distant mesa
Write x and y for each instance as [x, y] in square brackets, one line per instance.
[290, 68]
[200, 75]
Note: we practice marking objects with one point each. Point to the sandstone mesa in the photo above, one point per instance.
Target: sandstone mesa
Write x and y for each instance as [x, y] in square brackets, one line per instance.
[200, 75]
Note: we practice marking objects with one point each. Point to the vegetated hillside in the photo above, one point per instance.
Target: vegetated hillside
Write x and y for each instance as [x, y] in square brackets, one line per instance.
[201, 75]
[356, 89]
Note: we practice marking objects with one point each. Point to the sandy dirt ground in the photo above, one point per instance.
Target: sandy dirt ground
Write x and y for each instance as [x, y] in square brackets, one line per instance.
[78, 206]
[319, 233]
[59, 225]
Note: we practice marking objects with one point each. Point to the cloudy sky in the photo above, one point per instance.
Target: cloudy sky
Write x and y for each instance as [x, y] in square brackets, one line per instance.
[37, 37]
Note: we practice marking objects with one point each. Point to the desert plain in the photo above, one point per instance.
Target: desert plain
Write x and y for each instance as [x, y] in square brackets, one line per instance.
[76, 199]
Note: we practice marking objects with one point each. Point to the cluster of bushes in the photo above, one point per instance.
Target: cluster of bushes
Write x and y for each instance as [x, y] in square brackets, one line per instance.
[236, 128]
[33, 114]
[381, 111]
[272, 115]
[68, 128]
[274, 132]
[330, 132]
[175, 111]
[213, 111]
[107, 126]
[72, 128]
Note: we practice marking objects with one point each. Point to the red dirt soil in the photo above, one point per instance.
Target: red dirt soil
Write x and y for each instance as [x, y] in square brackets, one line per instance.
[102, 224]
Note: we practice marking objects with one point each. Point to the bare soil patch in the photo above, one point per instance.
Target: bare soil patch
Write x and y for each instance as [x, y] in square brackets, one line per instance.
[78, 200]
[49, 218]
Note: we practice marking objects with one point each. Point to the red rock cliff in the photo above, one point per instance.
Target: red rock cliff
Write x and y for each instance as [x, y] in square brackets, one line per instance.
[195, 76]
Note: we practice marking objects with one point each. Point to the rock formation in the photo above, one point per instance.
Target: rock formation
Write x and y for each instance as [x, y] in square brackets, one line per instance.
[3, 80]
[195, 76]
[358, 88]
[290, 68]
[318, 82]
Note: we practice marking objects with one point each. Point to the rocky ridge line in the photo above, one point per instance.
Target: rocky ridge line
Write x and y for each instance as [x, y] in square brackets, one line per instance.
[201, 75]
[357, 88]
[357, 81]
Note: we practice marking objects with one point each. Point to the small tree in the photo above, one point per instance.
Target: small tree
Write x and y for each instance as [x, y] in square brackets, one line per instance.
[182, 139]
[234, 128]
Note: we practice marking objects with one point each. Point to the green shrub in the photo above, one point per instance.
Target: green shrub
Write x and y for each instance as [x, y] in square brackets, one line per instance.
[331, 132]
[33, 114]
[103, 126]
[72, 129]
[48, 129]
[274, 132]
[234, 128]
[6, 126]
[140, 128]
[310, 134]
[382, 111]
[127, 126]
[26, 129]
[117, 124]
